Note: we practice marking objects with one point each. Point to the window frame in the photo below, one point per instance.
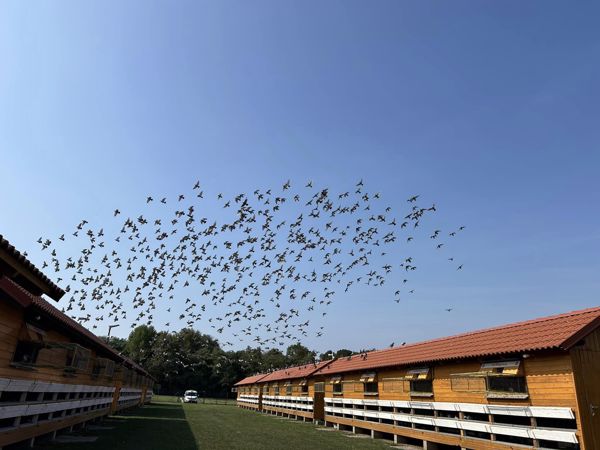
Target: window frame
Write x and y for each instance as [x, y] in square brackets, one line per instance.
[498, 393]
[337, 385]
[371, 384]
[33, 351]
[416, 392]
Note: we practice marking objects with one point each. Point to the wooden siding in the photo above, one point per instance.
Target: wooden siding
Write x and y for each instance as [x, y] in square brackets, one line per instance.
[586, 372]
[129, 391]
[549, 380]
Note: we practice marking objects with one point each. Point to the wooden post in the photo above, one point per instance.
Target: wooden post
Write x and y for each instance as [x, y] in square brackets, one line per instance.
[536, 442]
[491, 420]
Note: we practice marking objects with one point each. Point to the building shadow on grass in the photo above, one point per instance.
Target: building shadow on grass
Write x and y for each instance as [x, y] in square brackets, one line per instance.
[153, 427]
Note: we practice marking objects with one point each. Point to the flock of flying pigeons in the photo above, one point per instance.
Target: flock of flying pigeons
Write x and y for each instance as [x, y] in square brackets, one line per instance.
[262, 272]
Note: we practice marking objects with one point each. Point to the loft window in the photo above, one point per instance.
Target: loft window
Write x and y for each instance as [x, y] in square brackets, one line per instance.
[109, 370]
[507, 384]
[319, 387]
[276, 390]
[337, 385]
[421, 387]
[370, 386]
[498, 379]
[98, 367]
[78, 358]
[420, 382]
[288, 389]
[504, 379]
[304, 387]
[501, 367]
[26, 353]
[32, 333]
[421, 373]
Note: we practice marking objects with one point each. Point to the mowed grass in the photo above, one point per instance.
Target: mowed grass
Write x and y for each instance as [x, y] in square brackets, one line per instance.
[166, 424]
[229, 427]
[157, 426]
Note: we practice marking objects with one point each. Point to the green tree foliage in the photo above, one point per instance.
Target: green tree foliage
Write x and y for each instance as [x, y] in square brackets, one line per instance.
[342, 353]
[192, 360]
[140, 343]
[330, 354]
[298, 354]
[115, 342]
[274, 359]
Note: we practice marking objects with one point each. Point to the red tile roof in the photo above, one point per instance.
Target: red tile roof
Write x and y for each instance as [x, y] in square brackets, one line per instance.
[54, 291]
[554, 332]
[294, 372]
[251, 380]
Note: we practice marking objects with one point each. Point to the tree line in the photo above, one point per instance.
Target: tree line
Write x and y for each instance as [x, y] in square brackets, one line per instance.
[189, 359]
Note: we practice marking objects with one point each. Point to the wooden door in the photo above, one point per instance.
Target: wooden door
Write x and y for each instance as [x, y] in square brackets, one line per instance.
[586, 372]
[590, 365]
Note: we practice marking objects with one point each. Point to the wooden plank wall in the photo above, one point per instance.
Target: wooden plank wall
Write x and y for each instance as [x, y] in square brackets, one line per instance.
[11, 319]
[586, 373]
[11, 322]
[549, 380]
[11, 325]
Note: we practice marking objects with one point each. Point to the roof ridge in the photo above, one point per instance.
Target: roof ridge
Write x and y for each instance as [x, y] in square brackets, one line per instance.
[485, 330]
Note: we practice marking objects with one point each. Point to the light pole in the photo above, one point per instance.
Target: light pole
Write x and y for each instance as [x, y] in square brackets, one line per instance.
[110, 327]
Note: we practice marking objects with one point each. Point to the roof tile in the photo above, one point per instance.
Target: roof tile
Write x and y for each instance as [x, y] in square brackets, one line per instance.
[295, 372]
[55, 292]
[554, 332]
[251, 379]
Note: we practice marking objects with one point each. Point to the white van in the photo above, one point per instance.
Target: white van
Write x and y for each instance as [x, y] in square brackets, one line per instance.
[190, 397]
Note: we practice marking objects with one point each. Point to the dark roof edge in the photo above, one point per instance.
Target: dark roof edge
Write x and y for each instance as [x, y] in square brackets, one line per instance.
[436, 360]
[241, 382]
[294, 377]
[30, 271]
[582, 333]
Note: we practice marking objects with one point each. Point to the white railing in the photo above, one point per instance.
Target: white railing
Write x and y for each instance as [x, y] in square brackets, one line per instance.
[248, 398]
[356, 409]
[289, 402]
[129, 397]
[148, 397]
[41, 401]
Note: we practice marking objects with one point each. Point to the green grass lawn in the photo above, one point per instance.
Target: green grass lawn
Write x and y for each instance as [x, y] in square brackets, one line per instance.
[166, 424]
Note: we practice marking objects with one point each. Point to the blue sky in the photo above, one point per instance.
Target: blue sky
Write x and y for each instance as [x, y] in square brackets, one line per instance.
[490, 109]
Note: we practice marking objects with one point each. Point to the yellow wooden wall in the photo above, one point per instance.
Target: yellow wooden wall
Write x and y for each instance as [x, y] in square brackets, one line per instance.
[549, 380]
[11, 323]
